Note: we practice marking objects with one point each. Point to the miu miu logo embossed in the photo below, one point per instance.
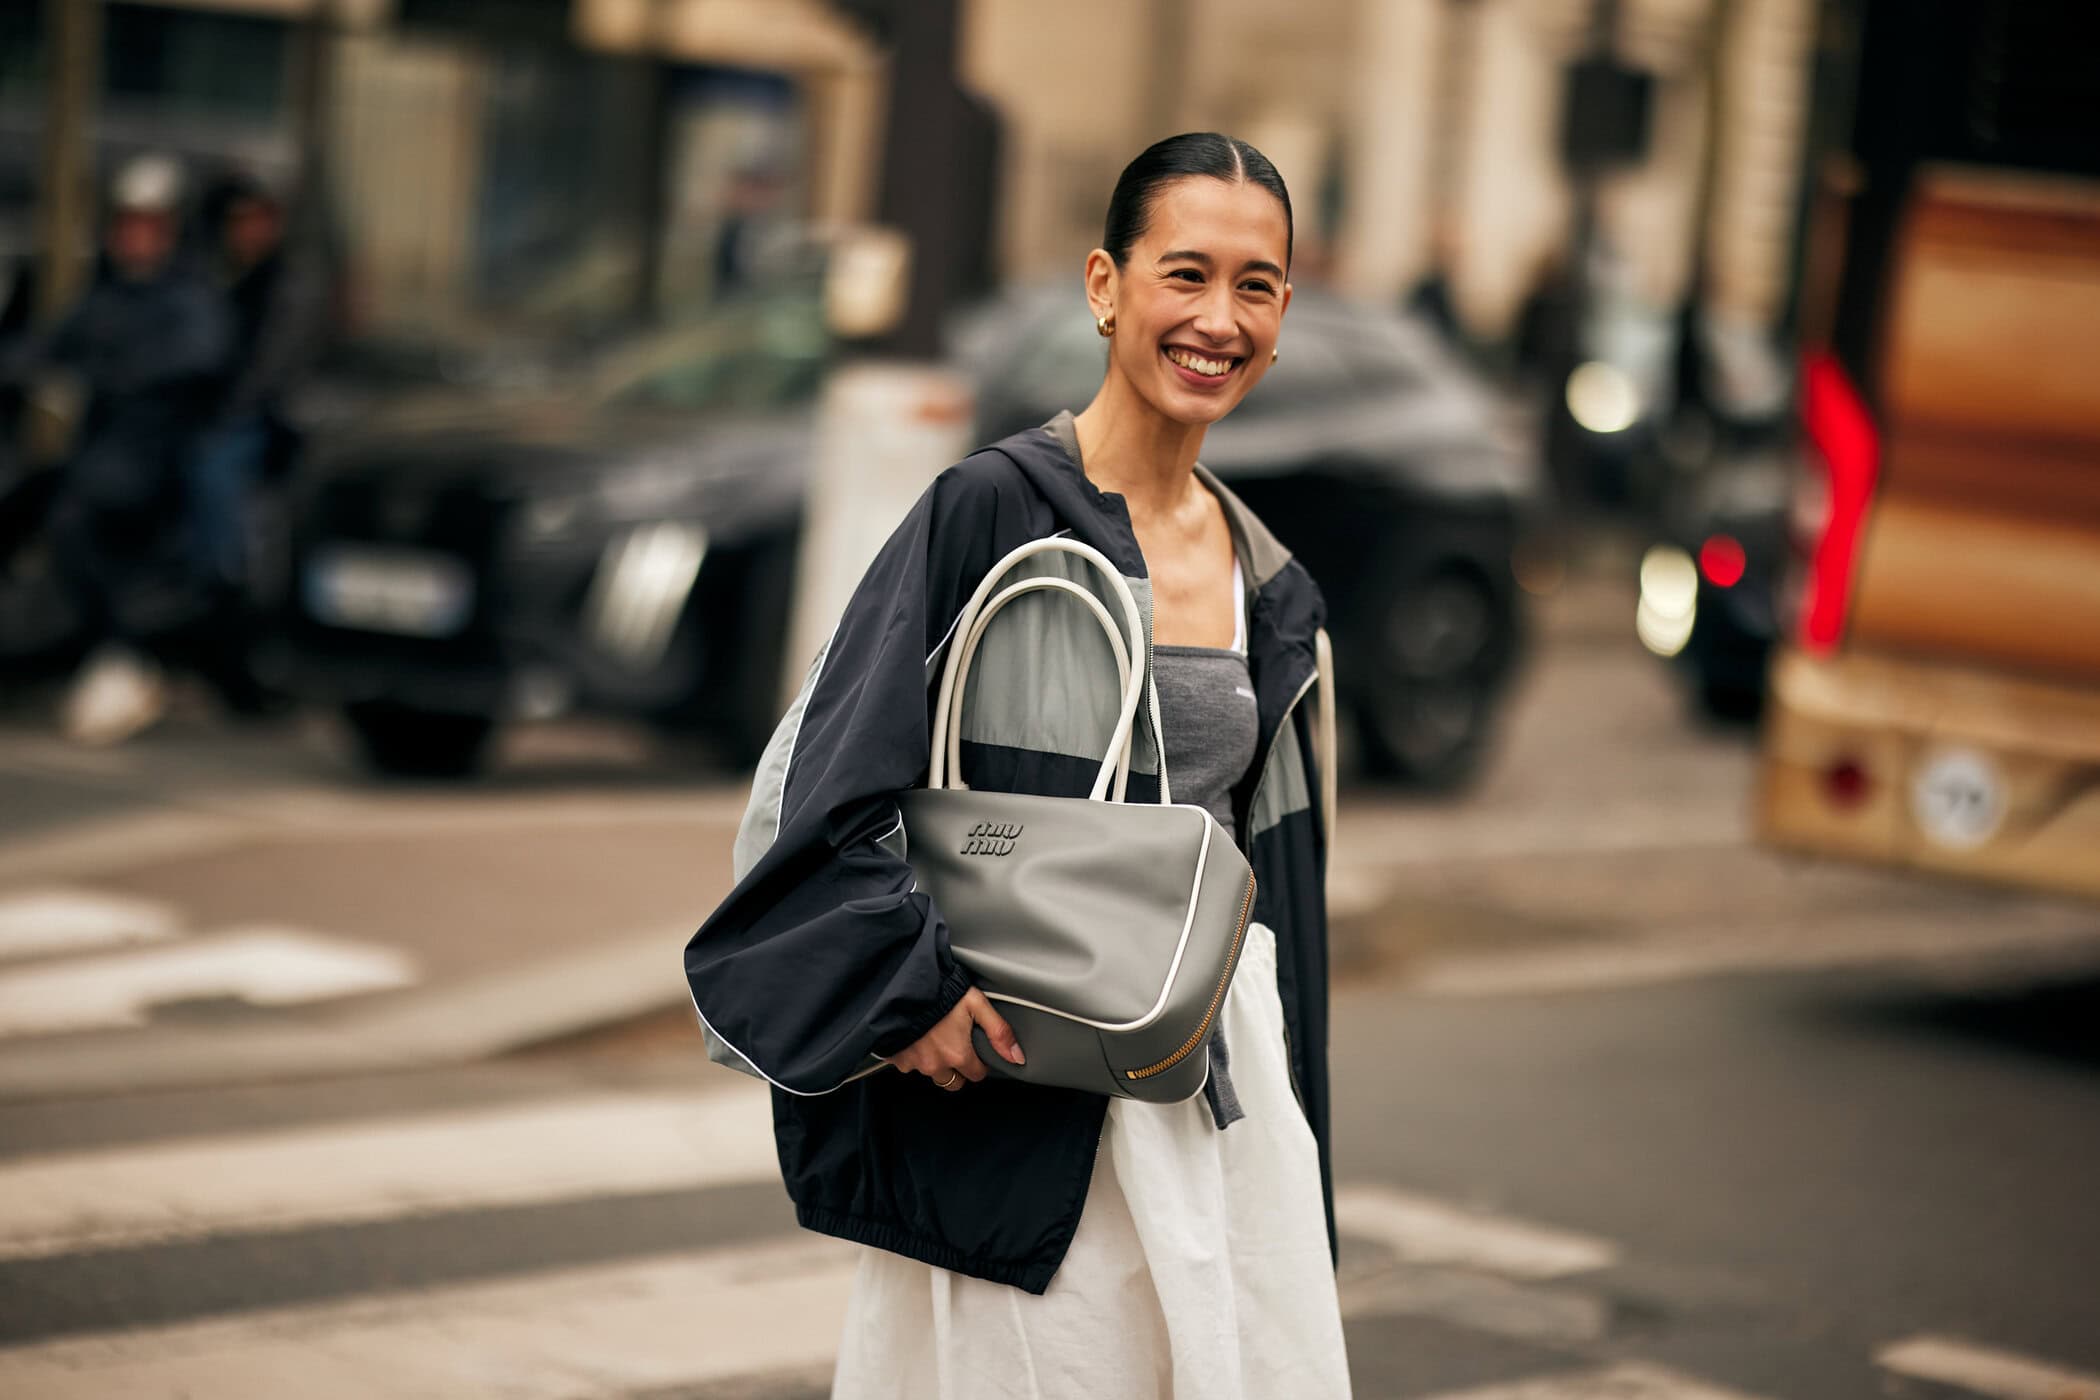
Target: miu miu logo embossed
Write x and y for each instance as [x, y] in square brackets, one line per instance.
[991, 839]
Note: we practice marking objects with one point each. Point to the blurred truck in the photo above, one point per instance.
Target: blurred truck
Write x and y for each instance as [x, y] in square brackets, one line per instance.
[1940, 704]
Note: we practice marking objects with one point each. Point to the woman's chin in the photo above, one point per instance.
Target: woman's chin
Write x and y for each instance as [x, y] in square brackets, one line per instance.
[1192, 409]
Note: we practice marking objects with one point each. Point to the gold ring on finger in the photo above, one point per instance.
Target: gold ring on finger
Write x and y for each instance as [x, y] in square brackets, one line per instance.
[954, 1078]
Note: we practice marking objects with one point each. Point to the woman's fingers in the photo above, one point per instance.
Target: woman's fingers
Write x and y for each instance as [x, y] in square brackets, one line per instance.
[995, 1028]
[947, 1054]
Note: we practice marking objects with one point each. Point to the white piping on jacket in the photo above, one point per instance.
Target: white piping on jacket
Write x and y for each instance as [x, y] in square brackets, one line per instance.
[716, 1035]
[788, 763]
[950, 633]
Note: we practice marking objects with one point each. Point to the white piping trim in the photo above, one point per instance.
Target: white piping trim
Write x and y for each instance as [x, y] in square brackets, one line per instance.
[1324, 740]
[1239, 608]
[1166, 990]
[787, 764]
[717, 1036]
[949, 635]
[1270, 757]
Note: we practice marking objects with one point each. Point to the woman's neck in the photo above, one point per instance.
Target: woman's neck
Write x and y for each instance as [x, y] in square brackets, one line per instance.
[1126, 447]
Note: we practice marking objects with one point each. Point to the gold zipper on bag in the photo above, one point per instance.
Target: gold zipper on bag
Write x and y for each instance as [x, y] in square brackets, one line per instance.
[1217, 998]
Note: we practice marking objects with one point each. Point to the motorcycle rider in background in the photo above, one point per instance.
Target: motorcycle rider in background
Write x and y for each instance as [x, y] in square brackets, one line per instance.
[279, 305]
[146, 341]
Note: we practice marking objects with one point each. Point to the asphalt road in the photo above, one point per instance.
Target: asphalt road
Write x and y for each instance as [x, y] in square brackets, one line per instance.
[1625, 1106]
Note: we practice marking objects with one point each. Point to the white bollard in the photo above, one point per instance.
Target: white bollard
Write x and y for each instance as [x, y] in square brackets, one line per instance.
[884, 430]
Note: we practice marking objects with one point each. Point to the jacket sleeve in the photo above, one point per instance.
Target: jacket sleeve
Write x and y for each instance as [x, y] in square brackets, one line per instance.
[825, 952]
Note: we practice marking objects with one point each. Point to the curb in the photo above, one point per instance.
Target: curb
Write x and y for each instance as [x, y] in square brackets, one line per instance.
[419, 1029]
[423, 1028]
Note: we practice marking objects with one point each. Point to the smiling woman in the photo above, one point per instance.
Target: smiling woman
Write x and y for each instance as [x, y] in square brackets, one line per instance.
[1189, 283]
[1023, 1239]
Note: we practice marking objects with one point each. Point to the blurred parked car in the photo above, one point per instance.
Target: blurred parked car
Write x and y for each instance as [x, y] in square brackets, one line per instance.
[1381, 461]
[498, 535]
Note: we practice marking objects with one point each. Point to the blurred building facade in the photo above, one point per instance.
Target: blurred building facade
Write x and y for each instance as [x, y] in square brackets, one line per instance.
[1422, 138]
[553, 161]
[568, 158]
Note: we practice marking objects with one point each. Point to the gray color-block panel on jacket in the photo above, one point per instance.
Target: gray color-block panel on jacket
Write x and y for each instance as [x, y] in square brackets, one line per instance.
[761, 821]
[1044, 677]
[1284, 789]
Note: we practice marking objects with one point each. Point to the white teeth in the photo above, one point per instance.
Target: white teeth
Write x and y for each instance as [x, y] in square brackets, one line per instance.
[1197, 363]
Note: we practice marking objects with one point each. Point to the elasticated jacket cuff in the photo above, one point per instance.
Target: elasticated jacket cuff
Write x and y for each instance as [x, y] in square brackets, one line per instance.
[953, 985]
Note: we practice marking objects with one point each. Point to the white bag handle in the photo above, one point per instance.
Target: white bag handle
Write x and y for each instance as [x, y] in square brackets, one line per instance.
[945, 765]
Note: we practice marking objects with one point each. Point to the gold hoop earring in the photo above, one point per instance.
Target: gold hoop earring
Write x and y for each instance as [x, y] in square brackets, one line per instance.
[1272, 354]
[1105, 326]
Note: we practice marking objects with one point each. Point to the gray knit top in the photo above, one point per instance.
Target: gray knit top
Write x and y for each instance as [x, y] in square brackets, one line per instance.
[1207, 710]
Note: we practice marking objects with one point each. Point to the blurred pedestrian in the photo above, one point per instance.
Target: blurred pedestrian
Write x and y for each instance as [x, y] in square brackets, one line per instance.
[145, 340]
[279, 305]
[278, 302]
[1027, 1240]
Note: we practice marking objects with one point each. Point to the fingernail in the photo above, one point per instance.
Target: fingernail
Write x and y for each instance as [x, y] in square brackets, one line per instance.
[1017, 1057]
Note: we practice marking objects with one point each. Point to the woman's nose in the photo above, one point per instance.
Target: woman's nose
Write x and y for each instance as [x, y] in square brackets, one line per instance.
[1214, 319]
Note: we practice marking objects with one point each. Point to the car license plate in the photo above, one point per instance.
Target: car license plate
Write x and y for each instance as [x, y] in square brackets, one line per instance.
[411, 593]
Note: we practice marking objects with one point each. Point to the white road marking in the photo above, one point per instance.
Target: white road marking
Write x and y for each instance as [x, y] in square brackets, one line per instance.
[266, 966]
[1424, 1230]
[37, 923]
[362, 1171]
[601, 1330]
[2003, 1375]
[1628, 1381]
[1529, 1312]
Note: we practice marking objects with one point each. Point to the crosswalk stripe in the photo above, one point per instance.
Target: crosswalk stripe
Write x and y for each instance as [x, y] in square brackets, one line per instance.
[345, 1173]
[678, 1320]
[1551, 1315]
[39, 923]
[1424, 1230]
[1626, 1381]
[2003, 1375]
[266, 966]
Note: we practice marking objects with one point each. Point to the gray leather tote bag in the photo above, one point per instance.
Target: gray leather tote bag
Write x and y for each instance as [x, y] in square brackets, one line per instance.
[1106, 932]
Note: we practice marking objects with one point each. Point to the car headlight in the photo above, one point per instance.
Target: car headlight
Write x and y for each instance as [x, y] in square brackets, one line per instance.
[1603, 398]
[1669, 606]
[645, 490]
[550, 518]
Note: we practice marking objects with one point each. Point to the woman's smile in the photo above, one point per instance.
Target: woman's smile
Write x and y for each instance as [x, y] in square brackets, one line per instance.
[1202, 371]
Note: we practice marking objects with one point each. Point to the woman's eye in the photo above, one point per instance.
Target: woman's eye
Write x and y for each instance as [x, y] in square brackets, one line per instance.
[1188, 272]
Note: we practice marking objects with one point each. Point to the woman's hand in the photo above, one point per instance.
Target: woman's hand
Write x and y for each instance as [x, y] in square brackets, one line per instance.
[946, 1054]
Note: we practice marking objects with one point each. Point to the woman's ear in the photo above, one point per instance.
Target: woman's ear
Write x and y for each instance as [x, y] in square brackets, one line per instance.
[1101, 282]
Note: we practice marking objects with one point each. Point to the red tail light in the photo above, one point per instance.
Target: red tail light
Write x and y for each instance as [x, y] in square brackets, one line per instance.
[1837, 422]
[1722, 560]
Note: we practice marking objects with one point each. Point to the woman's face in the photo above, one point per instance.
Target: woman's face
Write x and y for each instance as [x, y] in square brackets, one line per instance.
[1198, 303]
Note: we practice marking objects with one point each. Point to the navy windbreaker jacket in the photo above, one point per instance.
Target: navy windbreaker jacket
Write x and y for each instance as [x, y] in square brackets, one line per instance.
[825, 954]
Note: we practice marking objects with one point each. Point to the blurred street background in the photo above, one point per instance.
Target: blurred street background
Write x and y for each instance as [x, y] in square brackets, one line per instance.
[436, 434]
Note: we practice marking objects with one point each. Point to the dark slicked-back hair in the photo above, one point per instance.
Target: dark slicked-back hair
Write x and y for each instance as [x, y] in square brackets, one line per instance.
[1205, 153]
